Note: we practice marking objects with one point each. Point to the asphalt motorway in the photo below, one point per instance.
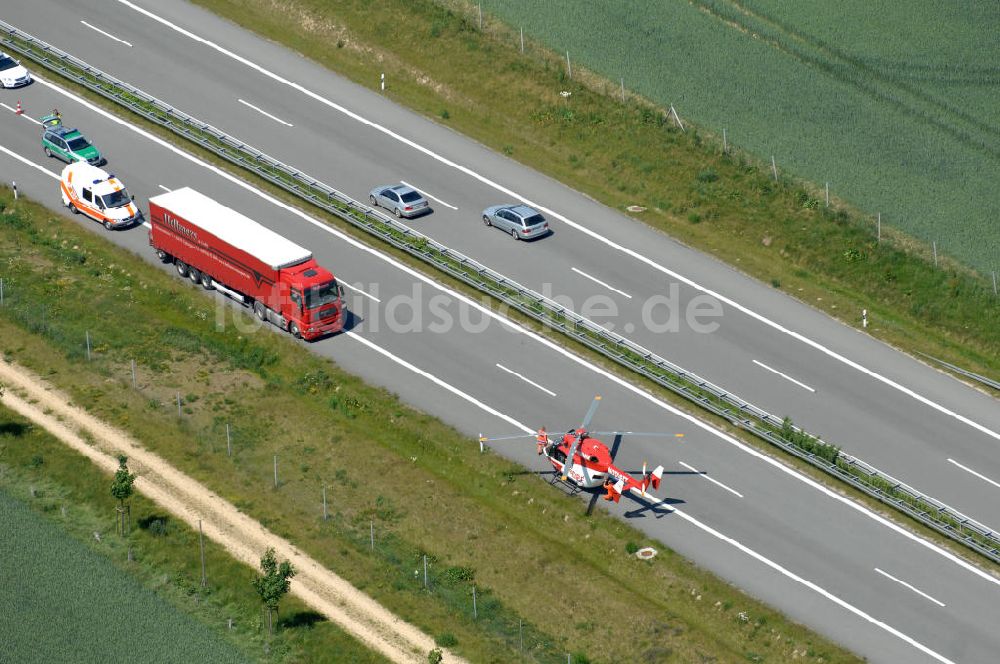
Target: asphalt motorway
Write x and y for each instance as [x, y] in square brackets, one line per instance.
[906, 418]
[804, 549]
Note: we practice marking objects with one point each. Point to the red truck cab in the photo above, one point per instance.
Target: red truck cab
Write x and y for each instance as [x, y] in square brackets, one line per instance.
[221, 248]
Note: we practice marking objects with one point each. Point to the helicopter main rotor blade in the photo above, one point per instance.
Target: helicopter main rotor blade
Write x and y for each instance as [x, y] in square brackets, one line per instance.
[660, 434]
[615, 446]
[569, 459]
[590, 412]
[491, 439]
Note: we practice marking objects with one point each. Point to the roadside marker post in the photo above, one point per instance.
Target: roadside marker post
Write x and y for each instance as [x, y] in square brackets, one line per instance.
[569, 66]
[88, 345]
[864, 319]
[725, 142]
[13, 186]
[133, 375]
[828, 194]
[774, 168]
[522, 41]
[229, 442]
[275, 471]
[382, 79]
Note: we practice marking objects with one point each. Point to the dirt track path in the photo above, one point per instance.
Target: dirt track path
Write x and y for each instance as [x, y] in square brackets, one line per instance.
[244, 538]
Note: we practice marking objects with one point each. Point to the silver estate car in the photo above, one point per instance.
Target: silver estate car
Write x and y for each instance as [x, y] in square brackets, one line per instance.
[404, 201]
[520, 221]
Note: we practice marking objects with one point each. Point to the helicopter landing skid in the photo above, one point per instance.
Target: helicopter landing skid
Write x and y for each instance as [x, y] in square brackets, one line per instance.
[567, 487]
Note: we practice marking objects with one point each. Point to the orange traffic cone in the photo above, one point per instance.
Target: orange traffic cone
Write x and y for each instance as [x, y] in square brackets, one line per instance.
[18, 111]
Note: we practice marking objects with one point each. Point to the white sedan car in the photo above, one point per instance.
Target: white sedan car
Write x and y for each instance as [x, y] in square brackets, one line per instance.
[12, 74]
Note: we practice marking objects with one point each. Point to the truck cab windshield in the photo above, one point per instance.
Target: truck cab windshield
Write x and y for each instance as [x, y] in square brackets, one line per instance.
[115, 199]
[317, 296]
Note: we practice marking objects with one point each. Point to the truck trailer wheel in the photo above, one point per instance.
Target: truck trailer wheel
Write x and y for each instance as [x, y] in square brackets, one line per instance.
[206, 282]
[182, 268]
[194, 274]
[258, 309]
[162, 255]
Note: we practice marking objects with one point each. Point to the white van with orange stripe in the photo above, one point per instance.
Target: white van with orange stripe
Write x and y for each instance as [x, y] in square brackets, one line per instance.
[98, 195]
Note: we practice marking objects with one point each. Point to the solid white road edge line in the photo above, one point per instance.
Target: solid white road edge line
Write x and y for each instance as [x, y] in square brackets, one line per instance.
[710, 479]
[553, 346]
[600, 238]
[440, 383]
[25, 160]
[265, 113]
[355, 288]
[979, 475]
[424, 192]
[783, 375]
[907, 585]
[795, 577]
[526, 380]
[598, 281]
[163, 188]
[562, 351]
[106, 34]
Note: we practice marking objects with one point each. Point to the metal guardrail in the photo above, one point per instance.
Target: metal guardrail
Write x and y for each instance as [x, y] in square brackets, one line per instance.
[705, 394]
[989, 382]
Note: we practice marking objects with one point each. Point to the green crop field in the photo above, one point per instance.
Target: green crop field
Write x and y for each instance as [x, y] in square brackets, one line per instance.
[65, 603]
[893, 104]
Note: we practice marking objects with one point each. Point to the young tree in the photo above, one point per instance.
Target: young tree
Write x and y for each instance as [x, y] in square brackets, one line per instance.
[273, 584]
[121, 489]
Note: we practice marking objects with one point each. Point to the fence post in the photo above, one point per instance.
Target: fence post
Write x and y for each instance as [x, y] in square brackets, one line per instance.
[178, 404]
[878, 237]
[133, 375]
[425, 572]
[229, 442]
[88, 345]
[372, 526]
[520, 634]
[324, 503]
[201, 543]
[994, 282]
[725, 142]
[774, 168]
[934, 246]
[623, 90]
[480, 17]
[522, 41]
[275, 471]
[475, 610]
[569, 66]
[828, 194]
[1, 291]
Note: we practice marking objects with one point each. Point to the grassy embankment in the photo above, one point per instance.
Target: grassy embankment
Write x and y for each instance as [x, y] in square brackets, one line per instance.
[422, 485]
[727, 205]
[91, 603]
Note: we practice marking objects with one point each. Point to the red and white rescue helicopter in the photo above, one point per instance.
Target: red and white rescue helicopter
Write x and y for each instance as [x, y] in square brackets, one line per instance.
[591, 464]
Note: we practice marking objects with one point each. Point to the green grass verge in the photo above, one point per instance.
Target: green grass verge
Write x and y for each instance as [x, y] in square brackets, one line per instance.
[726, 205]
[897, 111]
[423, 485]
[91, 603]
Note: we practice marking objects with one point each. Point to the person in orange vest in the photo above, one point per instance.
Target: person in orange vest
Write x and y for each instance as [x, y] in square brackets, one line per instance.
[610, 488]
[541, 440]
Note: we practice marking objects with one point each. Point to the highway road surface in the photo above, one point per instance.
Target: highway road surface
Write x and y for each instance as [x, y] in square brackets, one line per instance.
[908, 419]
[804, 549]
[773, 532]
